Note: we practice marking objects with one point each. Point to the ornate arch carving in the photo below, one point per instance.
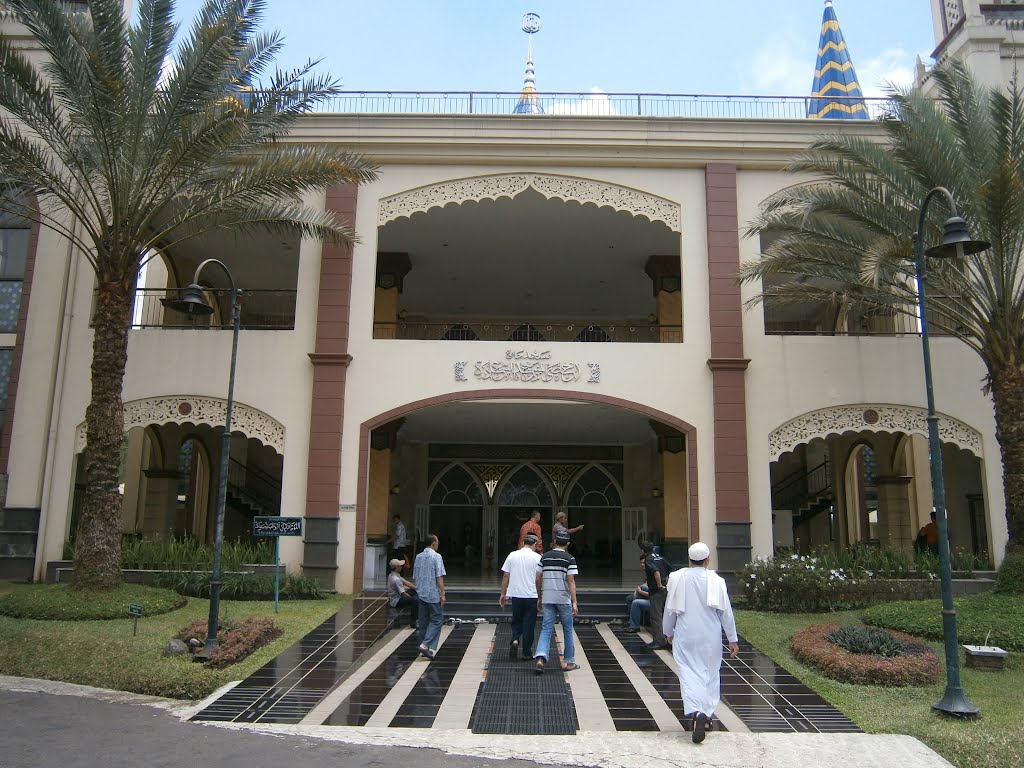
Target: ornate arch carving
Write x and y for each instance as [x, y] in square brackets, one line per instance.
[186, 409]
[872, 418]
[476, 188]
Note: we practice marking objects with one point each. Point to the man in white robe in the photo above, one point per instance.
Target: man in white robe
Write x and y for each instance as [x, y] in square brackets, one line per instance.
[697, 609]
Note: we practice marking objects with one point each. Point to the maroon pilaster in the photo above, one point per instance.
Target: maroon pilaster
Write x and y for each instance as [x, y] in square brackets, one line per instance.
[330, 361]
[727, 364]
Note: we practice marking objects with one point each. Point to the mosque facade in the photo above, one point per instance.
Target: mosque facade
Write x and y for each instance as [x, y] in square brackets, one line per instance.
[541, 313]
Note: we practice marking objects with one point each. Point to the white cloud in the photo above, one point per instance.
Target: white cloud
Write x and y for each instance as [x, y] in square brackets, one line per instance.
[893, 65]
[781, 67]
[596, 103]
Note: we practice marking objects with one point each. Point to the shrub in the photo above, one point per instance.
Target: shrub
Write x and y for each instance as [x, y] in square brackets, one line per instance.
[1010, 578]
[916, 663]
[241, 585]
[54, 602]
[806, 584]
[793, 583]
[857, 638]
[184, 553]
[977, 616]
[188, 554]
[236, 639]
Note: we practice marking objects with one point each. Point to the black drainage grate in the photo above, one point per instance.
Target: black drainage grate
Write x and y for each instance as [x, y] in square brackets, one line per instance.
[516, 700]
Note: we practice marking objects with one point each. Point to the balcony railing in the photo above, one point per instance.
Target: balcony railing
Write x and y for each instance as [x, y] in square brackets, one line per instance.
[825, 323]
[575, 103]
[270, 310]
[536, 331]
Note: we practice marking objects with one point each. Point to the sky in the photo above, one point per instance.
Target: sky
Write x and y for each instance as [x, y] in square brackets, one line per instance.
[759, 47]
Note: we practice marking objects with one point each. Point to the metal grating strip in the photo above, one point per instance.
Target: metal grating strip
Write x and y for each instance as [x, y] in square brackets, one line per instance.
[516, 700]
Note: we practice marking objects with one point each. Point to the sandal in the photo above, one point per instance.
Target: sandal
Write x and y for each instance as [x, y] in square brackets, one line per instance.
[539, 668]
[570, 666]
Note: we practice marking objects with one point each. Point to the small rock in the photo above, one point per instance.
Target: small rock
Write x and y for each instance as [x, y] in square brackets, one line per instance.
[175, 647]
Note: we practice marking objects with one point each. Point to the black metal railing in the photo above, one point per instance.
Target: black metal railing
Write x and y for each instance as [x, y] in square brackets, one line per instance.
[579, 103]
[262, 309]
[255, 487]
[799, 487]
[529, 331]
[826, 321]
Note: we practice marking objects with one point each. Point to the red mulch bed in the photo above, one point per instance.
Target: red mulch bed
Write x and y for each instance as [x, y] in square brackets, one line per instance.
[917, 666]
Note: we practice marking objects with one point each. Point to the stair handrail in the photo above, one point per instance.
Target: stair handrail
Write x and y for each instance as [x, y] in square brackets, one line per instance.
[802, 485]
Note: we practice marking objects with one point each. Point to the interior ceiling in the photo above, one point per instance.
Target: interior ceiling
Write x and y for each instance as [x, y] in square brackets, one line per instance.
[531, 422]
[257, 261]
[527, 256]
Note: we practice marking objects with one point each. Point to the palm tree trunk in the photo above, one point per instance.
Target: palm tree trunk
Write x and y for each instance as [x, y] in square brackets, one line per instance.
[97, 561]
[1008, 398]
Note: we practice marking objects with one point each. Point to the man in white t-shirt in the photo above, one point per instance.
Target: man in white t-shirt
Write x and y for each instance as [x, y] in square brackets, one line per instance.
[519, 582]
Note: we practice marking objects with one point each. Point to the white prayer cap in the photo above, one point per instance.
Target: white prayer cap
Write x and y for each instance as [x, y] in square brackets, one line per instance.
[699, 552]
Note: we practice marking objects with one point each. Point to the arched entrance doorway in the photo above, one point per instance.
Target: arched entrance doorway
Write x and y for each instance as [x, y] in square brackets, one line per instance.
[499, 454]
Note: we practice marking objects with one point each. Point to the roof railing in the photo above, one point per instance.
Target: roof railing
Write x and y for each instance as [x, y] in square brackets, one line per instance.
[591, 104]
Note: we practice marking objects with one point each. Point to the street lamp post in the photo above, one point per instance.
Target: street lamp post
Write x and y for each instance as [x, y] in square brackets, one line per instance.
[956, 242]
[193, 302]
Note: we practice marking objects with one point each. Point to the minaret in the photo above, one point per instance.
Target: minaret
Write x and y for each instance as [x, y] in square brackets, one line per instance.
[529, 99]
[834, 76]
[984, 34]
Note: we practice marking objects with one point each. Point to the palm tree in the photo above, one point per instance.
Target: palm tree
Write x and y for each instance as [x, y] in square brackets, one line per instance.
[129, 137]
[846, 238]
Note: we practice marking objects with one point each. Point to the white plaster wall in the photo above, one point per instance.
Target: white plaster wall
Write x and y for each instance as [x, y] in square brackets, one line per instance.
[386, 374]
[273, 374]
[793, 375]
[39, 361]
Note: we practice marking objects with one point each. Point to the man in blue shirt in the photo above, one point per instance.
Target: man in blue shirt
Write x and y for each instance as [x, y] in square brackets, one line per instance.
[428, 573]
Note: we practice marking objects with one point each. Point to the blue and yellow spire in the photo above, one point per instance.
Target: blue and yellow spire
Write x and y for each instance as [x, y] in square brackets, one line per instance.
[834, 76]
[529, 99]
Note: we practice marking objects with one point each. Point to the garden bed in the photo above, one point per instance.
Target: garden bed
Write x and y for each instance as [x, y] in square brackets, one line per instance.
[911, 663]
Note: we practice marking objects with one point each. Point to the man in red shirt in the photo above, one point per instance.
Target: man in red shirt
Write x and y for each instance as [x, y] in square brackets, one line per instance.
[532, 526]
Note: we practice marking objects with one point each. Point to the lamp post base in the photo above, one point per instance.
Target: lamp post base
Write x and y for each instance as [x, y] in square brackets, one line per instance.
[954, 702]
[207, 650]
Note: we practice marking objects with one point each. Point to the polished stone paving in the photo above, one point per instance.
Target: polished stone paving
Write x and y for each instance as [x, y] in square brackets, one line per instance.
[356, 670]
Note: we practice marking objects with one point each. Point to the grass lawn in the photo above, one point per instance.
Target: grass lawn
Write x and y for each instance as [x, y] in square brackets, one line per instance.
[996, 740]
[106, 655]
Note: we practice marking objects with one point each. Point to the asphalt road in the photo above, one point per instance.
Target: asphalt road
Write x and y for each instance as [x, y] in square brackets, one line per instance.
[41, 730]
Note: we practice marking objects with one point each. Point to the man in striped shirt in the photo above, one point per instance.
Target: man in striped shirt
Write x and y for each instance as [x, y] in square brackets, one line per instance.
[556, 597]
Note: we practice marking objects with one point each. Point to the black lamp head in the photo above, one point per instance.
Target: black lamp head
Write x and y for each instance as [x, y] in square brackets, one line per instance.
[956, 241]
[192, 301]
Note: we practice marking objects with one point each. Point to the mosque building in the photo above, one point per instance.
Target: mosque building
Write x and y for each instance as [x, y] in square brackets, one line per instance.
[540, 313]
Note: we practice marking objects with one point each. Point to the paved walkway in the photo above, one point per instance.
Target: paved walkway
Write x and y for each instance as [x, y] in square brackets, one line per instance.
[340, 674]
[354, 681]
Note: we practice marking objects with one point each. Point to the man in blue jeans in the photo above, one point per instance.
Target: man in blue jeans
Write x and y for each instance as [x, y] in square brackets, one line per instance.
[637, 604]
[556, 596]
[428, 573]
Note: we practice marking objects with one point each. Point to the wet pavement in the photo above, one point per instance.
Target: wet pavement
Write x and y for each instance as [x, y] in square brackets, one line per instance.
[356, 669]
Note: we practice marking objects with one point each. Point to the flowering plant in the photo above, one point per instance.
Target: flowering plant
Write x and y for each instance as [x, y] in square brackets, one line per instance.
[798, 583]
